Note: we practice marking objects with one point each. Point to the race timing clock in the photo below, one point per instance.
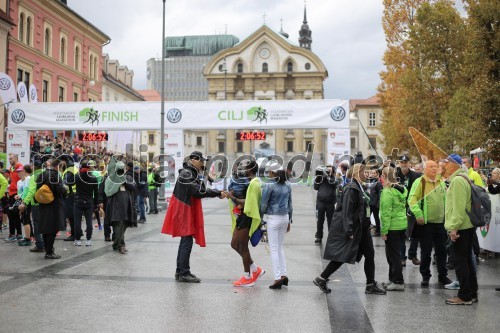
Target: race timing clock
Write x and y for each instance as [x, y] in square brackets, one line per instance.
[93, 137]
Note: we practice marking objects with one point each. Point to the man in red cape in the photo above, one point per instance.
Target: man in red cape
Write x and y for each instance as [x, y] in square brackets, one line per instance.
[185, 215]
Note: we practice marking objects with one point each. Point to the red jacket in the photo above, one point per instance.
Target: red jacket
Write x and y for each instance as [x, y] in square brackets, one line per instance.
[185, 214]
[14, 178]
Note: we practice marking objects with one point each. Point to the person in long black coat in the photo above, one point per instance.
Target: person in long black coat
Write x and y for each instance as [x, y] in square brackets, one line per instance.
[349, 238]
[51, 215]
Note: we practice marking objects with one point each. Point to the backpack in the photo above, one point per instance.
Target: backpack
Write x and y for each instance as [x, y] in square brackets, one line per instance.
[480, 214]
[44, 195]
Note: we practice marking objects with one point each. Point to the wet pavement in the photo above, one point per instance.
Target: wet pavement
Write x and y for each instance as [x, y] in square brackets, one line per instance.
[98, 290]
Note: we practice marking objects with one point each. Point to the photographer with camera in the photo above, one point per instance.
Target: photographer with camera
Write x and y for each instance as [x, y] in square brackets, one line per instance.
[493, 181]
[326, 186]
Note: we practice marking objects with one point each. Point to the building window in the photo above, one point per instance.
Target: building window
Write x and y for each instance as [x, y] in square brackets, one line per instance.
[353, 143]
[151, 156]
[91, 71]
[45, 91]
[289, 67]
[63, 50]
[265, 67]
[239, 146]
[23, 76]
[289, 146]
[308, 145]
[61, 94]
[199, 141]
[222, 147]
[77, 58]
[95, 68]
[240, 67]
[28, 30]
[151, 139]
[46, 48]
[373, 142]
[75, 97]
[21, 27]
[372, 119]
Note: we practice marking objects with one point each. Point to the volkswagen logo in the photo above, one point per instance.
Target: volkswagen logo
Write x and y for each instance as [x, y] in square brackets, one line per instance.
[33, 94]
[4, 84]
[174, 115]
[18, 116]
[337, 113]
[22, 91]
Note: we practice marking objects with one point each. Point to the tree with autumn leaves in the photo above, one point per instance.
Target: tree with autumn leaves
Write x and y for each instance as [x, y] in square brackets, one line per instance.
[442, 74]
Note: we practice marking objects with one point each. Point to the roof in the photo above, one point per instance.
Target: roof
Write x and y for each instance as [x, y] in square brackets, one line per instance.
[83, 19]
[4, 17]
[372, 101]
[150, 95]
[120, 84]
[201, 45]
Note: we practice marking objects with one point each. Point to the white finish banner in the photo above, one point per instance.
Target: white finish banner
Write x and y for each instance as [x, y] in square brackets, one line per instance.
[489, 236]
[18, 142]
[181, 115]
[338, 143]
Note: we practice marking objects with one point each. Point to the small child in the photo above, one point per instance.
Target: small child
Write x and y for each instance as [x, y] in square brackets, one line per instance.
[238, 185]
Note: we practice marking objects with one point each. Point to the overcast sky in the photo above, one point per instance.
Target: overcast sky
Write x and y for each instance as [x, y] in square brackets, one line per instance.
[347, 34]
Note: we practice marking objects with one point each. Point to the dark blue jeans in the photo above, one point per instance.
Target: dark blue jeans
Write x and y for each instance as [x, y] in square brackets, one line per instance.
[433, 233]
[141, 208]
[35, 216]
[183, 255]
[87, 211]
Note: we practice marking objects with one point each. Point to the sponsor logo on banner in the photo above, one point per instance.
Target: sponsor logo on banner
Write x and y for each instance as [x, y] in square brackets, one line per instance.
[18, 116]
[174, 115]
[4, 84]
[255, 114]
[89, 115]
[11, 136]
[22, 91]
[338, 113]
[332, 135]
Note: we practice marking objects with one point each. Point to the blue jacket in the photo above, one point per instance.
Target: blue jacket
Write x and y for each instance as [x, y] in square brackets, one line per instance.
[276, 199]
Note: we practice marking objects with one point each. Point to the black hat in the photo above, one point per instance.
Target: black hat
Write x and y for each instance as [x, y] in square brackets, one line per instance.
[405, 158]
[130, 164]
[197, 155]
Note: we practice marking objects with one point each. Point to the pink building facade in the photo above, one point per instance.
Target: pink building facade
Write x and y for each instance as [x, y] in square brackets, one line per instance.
[55, 49]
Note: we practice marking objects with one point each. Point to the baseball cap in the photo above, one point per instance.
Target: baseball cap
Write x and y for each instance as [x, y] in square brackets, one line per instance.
[405, 158]
[454, 158]
[197, 155]
[92, 163]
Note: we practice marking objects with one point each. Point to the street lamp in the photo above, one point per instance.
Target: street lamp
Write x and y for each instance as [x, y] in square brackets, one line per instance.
[162, 130]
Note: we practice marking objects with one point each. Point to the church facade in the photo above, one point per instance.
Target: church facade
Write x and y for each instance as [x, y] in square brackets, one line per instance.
[267, 66]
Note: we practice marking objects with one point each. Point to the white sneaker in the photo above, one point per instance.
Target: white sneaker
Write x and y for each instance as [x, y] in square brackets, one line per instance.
[89, 242]
[394, 287]
[455, 285]
[78, 243]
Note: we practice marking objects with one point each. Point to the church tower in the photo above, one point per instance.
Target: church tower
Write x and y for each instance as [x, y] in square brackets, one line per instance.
[305, 39]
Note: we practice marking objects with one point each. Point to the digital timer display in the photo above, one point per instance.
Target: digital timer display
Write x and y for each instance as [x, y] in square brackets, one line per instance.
[250, 135]
[93, 136]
